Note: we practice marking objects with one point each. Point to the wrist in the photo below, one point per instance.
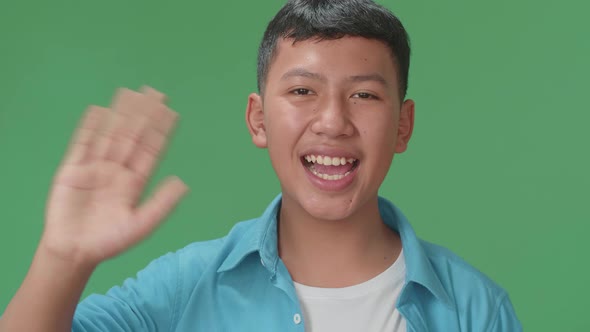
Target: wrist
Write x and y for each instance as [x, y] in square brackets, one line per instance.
[74, 265]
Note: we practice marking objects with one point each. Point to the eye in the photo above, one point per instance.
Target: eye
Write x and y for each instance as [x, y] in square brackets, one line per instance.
[301, 92]
[364, 95]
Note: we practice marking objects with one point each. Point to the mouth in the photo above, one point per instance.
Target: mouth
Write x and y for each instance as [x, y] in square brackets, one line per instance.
[330, 168]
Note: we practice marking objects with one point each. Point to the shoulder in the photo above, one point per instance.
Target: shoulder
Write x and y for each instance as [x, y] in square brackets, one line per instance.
[158, 292]
[202, 254]
[452, 270]
[480, 301]
[202, 258]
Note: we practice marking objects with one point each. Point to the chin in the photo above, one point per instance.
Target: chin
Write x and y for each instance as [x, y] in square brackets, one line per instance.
[324, 207]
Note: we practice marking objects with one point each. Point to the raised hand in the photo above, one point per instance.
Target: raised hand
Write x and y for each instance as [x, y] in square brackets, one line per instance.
[93, 211]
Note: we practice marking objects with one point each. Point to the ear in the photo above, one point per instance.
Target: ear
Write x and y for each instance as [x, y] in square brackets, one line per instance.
[255, 120]
[405, 126]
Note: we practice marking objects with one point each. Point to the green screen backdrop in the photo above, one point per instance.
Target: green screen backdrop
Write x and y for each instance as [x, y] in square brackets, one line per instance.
[497, 169]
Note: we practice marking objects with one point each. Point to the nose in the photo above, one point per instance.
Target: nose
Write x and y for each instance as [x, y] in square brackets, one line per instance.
[332, 118]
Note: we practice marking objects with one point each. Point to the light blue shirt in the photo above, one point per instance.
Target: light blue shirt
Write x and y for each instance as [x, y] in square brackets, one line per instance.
[238, 283]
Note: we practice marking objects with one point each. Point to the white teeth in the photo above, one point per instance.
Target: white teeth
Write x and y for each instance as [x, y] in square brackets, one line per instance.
[328, 161]
[329, 177]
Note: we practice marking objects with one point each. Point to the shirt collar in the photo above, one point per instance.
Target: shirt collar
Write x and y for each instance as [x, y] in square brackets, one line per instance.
[418, 267]
[262, 238]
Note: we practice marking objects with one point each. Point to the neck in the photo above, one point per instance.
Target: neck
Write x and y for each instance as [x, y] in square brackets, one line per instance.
[336, 253]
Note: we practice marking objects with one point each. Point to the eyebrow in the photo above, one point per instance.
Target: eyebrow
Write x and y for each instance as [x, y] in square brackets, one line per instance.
[301, 72]
[370, 77]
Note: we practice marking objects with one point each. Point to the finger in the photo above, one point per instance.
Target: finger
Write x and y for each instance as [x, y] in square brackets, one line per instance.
[104, 139]
[157, 120]
[106, 143]
[160, 205]
[120, 137]
[146, 156]
[153, 94]
[86, 135]
[137, 104]
[123, 132]
[153, 145]
[129, 102]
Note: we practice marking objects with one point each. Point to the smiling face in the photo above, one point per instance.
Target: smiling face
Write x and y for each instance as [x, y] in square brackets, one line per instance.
[332, 119]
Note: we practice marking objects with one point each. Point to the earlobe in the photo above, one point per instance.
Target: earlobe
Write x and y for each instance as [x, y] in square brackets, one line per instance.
[405, 126]
[255, 120]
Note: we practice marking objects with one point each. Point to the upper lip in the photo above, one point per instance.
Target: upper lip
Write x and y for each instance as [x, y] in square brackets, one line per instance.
[330, 152]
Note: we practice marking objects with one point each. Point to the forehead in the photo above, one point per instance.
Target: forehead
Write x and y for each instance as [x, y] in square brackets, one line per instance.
[334, 58]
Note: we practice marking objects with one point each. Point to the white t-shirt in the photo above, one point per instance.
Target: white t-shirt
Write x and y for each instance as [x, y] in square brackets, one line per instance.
[369, 306]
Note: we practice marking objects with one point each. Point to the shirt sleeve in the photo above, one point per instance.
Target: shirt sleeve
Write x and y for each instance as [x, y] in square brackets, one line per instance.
[505, 320]
[144, 303]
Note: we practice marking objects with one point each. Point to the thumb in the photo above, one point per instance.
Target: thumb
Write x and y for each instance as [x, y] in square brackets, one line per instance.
[152, 212]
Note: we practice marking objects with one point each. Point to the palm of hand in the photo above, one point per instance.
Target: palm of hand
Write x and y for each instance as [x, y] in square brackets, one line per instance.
[93, 211]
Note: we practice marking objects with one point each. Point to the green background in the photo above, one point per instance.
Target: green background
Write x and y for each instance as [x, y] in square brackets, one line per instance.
[497, 169]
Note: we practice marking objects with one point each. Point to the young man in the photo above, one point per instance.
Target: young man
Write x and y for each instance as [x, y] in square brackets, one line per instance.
[328, 254]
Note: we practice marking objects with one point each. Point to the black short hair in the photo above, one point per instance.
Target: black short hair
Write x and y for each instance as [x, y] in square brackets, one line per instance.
[301, 20]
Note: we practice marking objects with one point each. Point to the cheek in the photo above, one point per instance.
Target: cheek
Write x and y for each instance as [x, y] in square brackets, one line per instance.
[284, 127]
[380, 137]
[285, 123]
[379, 125]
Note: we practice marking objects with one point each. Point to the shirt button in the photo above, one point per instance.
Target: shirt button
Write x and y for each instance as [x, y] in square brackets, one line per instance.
[297, 318]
